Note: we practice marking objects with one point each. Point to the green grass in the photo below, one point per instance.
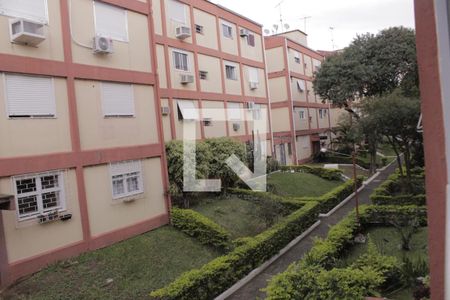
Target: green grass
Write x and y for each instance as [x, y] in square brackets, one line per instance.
[386, 149]
[388, 242]
[300, 184]
[239, 217]
[137, 266]
[348, 171]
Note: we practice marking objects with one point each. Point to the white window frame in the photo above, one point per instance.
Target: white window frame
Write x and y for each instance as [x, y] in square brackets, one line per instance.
[227, 30]
[50, 115]
[131, 169]
[172, 4]
[174, 55]
[301, 114]
[10, 13]
[124, 39]
[38, 193]
[130, 113]
[234, 74]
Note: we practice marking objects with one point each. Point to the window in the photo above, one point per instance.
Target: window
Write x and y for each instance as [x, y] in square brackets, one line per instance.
[199, 29]
[301, 85]
[289, 146]
[322, 113]
[126, 179]
[301, 114]
[180, 61]
[257, 112]
[111, 21]
[227, 30]
[187, 110]
[117, 99]
[297, 57]
[29, 96]
[231, 72]
[177, 11]
[251, 40]
[203, 75]
[317, 65]
[253, 75]
[33, 10]
[39, 194]
[234, 111]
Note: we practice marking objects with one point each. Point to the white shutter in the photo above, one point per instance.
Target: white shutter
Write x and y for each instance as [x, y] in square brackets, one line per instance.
[126, 167]
[30, 95]
[253, 75]
[34, 10]
[177, 11]
[117, 99]
[111, 21]
[234, 111]
[188, 109]
[301, 85]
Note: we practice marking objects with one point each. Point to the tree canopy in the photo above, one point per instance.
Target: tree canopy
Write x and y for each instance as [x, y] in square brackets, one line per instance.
[372, 65]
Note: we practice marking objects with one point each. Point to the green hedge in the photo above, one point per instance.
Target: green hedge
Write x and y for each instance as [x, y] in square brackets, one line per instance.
[346, 160]
[249, 195]
[202, 228]
[316, 275]
[221, 273]
[329, 174]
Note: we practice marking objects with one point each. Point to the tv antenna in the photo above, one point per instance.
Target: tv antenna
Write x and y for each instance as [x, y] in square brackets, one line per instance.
[281, 13]
[304, 20]
[332, 38]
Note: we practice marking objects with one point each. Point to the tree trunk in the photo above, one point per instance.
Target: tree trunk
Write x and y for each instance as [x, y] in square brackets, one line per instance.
[397, 153]
[407, 159]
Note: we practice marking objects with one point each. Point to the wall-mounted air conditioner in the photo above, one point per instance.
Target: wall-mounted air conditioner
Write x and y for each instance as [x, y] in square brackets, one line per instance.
[186, 78]
[207, 122]
[165, 110]
[244, 32]
[103, 45]
[183, 32]
[236, 126]
[254, 85]
[26, 32]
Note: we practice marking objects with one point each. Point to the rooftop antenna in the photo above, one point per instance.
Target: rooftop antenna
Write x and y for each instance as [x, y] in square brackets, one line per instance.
[281, 14]
[332, 38]
[267, 31]
[287, 26]
[304, 24]
[275, 27]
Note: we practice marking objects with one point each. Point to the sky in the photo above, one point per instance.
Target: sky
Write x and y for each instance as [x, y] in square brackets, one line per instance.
[347, 17]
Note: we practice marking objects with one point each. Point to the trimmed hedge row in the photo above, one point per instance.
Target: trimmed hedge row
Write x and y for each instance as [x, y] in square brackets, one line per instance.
[346, 160]
[329, 174]
[202, 228]
[249, 195]
[221, 273]
[297, 282]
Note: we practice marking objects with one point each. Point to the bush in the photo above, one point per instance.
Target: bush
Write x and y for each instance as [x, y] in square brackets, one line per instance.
[328, 174]
[221, 273]
[254, 196]
[389, 214]
[345, 160]
[272, 165]
[200, 227]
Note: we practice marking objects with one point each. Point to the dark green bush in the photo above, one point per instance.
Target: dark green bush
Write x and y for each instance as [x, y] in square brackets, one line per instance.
[200, 227]
[389, 214]
[329, 174]
[221, 273]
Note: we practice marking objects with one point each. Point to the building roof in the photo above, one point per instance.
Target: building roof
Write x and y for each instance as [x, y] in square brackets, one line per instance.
[235, 13]
[290, 31]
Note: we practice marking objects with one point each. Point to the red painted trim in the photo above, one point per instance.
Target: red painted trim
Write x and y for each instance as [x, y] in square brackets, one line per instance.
[4, 272]
[434, 138]
[202, 127]
[110, 74]
[172, 116]
[34, 66]
[310, 104]
[195, 95]
[133, 5]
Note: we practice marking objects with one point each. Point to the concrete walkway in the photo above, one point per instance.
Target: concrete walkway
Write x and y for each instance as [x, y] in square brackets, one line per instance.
[252, 289]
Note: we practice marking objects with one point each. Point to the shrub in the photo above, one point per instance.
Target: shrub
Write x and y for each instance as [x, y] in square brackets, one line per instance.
[329, 174]
[200, 227]
[272, 165]
[249, 195]
[389, 214]
[221, 273]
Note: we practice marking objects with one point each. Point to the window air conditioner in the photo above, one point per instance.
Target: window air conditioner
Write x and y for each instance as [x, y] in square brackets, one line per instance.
[254, 85]
[165, 110]
[186, 78]
[236, 126]
[244, 32]
[26, 32]
[183, 32]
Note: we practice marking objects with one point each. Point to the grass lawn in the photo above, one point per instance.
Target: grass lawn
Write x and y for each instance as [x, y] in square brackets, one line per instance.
[300, 184]
[136, 266]
[348, 171]
[386, 150]
[239, 217]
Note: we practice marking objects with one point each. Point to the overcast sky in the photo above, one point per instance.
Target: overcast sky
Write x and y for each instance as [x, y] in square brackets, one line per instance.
[348, 17]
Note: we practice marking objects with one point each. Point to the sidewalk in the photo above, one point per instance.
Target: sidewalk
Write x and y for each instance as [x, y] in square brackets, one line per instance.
[252, 289]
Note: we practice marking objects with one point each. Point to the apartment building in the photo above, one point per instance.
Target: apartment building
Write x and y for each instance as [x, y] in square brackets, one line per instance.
[301, 121]
[82, 150]
[209, 58]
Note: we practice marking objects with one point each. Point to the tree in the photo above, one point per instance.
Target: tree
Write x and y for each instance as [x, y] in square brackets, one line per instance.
[373, 65]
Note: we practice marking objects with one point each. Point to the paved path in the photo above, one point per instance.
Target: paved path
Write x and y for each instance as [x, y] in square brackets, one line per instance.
[252, 289]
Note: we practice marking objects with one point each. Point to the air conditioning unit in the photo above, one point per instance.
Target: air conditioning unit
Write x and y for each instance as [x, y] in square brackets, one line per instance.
[244, 32]
[26, 32]
[236, 126]
[186, 78]
[254, 85]
[250, 105]
[183, 32]
[207, 122]
[165, 110]
[103, 45]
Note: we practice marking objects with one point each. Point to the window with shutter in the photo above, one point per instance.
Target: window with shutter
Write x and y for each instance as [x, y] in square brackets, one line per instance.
[126, 179]
[301, 85]
[251, 40]
[33, 10]
[231, 72]
[117, 99]
[29, 96]
[111, 21]
[227, 30]
[257, 112]
[177, 11]
[297, 57]
[234, 111]
[180, 61]
[253, 75]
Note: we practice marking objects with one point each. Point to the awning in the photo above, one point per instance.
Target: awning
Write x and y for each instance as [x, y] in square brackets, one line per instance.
[188, 109]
